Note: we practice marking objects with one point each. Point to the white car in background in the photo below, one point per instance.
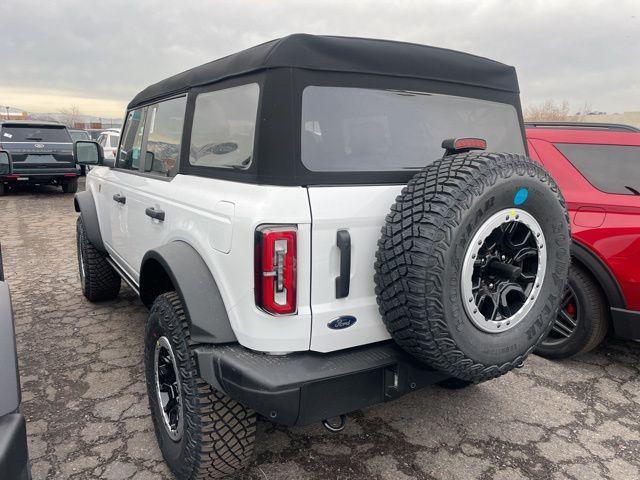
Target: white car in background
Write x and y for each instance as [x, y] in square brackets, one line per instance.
[109, 140]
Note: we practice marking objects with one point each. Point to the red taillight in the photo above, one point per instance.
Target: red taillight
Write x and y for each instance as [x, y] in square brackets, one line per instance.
[459, 145]
[275, 269]
[474, 143]
[70, 174]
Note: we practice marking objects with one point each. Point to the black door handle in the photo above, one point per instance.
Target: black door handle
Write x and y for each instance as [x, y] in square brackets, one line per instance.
[343, 241]
[153, 213]
[120, 198]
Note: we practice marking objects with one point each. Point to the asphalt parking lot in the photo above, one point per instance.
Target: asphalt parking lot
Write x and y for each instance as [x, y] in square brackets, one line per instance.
[85, 401]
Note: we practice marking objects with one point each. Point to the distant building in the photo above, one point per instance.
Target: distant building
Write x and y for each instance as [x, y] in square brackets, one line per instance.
[9, 115]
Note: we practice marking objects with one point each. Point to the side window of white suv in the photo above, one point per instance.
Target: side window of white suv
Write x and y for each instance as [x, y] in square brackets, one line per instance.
[164, 126]
[129, 154]
[224, 125]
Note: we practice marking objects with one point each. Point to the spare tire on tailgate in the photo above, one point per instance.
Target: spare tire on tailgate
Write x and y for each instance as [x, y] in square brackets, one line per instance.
[472, 263]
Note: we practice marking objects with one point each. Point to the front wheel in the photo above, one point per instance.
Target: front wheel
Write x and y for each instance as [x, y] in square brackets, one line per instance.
[98, 279]
[201, 432]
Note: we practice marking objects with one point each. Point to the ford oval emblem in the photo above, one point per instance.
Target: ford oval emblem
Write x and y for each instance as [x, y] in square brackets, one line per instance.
[342, 322]
[38, 145]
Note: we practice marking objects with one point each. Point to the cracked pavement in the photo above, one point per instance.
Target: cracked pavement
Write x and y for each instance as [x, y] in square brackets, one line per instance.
[84, 394]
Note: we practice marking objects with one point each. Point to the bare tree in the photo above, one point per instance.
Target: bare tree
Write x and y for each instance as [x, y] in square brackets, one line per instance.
[548, 110]
[583, 112]
[69, 116]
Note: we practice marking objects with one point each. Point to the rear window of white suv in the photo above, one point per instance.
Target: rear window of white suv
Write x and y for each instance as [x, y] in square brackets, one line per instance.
[357, 129]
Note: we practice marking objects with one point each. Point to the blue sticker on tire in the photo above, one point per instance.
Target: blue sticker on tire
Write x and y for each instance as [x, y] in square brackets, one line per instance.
[521, 196]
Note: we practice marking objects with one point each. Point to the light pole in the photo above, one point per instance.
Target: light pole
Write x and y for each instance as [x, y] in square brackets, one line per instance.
[7, 107]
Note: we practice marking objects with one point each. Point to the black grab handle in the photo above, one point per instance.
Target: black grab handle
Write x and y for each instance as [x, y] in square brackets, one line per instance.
[153, 213]
[343, 241]
[120, 198]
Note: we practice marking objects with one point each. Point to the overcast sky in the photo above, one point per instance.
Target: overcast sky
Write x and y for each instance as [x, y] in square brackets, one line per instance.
[98, 55]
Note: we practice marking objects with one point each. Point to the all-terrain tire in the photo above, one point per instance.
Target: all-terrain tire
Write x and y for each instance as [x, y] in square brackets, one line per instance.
[592, 318]
[70, 186]
[3, 189]
[420, 255]
[218, 433]
[98, 279]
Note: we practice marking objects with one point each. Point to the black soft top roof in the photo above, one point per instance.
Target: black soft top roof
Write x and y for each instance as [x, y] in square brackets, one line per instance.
[344, 54]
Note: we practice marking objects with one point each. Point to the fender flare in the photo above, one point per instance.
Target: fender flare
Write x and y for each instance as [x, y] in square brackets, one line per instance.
[190, 276]
[84, 203]
[601, 273]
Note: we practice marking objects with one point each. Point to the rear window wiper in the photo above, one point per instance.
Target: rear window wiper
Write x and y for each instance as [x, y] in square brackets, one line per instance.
[632, 190]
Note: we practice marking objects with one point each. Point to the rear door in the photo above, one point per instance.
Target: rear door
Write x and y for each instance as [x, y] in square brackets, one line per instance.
[366, 130]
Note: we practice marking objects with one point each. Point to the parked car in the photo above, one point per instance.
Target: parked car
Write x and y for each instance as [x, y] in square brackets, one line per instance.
[77, 134]
[109, 140]
[41, 153]
[319, 224]
[94, 133]
[14, 458]
[597, 167]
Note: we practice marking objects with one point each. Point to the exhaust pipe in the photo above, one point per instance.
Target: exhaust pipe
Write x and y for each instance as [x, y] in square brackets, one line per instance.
[335, 428]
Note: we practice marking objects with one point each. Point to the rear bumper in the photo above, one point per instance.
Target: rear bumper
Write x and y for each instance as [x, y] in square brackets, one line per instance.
[626, 323]
[24, 176]
[14, 460]
[302, 388]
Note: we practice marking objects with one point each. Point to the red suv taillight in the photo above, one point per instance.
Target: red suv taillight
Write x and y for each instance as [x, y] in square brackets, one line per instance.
[275, 269]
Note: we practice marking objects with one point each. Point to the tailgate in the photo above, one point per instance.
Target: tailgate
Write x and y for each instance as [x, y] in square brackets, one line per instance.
[44, 158]
[360, 211]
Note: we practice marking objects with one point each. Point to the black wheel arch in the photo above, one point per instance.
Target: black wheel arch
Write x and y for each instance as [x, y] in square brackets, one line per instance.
[600, 272]
[84, 204]
[178, 266]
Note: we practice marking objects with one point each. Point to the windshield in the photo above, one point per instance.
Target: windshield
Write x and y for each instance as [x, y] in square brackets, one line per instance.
[79, 135]
[357, 129]
[27, 133]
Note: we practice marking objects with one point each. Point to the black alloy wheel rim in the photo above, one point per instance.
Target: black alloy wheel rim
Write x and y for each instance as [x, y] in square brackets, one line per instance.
[168, 388]
[505, 271]
[567, 320]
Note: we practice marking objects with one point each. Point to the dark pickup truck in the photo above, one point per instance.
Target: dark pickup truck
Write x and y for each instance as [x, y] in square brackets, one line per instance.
[41, 154]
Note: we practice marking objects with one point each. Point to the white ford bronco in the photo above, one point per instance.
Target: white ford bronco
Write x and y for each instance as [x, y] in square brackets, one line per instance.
[319, 224]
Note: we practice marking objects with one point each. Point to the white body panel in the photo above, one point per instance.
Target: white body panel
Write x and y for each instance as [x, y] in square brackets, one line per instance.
[361, 211]
[218, 219]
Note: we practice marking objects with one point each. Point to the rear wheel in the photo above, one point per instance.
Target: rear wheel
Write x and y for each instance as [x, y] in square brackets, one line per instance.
[3, 189]
[582, 320]
[98, 279]
[201, 432]
[470, 263]
[70, 186]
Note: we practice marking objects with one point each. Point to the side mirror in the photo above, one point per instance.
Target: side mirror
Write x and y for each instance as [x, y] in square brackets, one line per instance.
[5, 163]
[87, 152]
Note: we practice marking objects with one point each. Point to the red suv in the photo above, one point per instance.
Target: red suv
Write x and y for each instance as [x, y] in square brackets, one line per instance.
[597, 167]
